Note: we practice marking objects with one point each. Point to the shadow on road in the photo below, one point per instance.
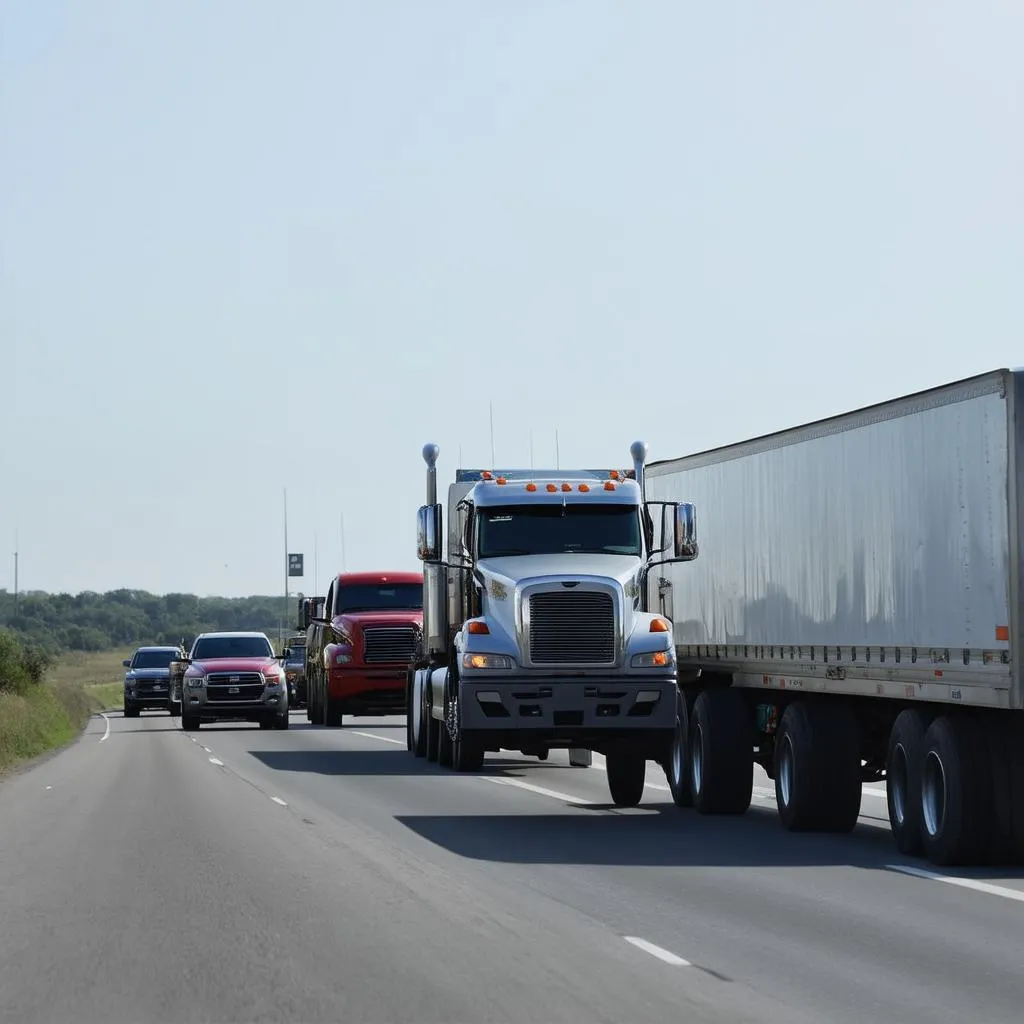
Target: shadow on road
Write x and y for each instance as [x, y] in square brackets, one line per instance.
[648, 836]
[347, 762]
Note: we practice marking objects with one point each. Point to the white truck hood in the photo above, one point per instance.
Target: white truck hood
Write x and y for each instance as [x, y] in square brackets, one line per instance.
[502, 575]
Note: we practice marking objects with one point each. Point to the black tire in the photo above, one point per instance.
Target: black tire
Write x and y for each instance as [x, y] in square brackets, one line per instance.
[130, 710]
[817, 768]
[721, 753]
[410, 693]
[174, 708]
[190, 723]
[445, 747]
[468, 749]
[281, 722]
[433, 737]
[1006, 763]
[677, 771]
[266, 723]
[332, 715]
[956, 793]
[903, 779]
[421, 737]
[627, 773]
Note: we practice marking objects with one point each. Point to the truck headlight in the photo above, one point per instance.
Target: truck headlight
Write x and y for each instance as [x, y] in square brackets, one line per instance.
[196, 682]
[653, 659]
[485, 661]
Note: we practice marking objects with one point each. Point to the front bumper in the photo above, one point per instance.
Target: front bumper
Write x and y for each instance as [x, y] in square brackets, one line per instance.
[150, 695]
[568, 707]
[358, 688]
[196, 703]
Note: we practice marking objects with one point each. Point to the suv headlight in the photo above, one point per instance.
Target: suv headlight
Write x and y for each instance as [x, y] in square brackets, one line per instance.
[196, 682]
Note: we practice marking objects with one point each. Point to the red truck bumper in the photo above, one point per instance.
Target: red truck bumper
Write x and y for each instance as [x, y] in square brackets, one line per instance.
[373, 690]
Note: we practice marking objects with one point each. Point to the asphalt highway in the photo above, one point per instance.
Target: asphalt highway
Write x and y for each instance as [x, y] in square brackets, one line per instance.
[234, 874]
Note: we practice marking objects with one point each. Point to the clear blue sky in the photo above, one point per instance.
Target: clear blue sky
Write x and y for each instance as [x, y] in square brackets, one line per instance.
[248, 245]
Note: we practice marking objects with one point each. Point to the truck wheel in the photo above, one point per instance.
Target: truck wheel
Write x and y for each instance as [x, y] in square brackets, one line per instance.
[266, 723]
[175, 708]
[956, 792]
[678, 773]
[130, 710]
[190, 723]
[467, 750]
[903, 780]
[627, 773]
[422, 720]
[332, 716]
[1006, 762]
[280, 722]
[817, 769]
[721, 753]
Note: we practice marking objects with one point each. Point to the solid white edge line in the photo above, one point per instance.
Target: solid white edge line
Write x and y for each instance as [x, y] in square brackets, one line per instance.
[107, 731]
[540, 790]
[278, 800]
[374, 736]
[214, 760]
[966, 883]
[661, 954]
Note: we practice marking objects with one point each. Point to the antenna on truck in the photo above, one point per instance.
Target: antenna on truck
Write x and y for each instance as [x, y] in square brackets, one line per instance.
[493, 463]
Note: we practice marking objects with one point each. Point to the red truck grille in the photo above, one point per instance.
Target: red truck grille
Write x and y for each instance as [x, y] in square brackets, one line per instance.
[389, 645]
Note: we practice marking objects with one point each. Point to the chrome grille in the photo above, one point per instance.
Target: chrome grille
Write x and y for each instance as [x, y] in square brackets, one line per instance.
[249, 687]
[389, 645]
[569, 627]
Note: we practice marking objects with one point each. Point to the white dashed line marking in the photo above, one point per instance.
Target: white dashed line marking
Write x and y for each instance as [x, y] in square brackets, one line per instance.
[49, 787]
[107, 732]
[278, 800]
[208, 750]
[530, 788]
[374, 736]
[661, 954]
[967, 883]
[213, 760]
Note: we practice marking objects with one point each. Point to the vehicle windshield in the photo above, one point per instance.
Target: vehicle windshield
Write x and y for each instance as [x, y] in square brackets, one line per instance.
[558, 529]
[232, 647]
[378, 597]
[153, 659]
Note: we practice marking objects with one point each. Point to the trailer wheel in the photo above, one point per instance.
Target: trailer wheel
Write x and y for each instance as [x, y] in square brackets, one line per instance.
[627, 773]
[956, 793]
[1006, 761]
[678, 771]
[903, 780]
[721, 753]
[817, 769]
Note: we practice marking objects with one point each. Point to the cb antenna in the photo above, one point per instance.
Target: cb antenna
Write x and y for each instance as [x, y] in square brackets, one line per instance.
[493, 463]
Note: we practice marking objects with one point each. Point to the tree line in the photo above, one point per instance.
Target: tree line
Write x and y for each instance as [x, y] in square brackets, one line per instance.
[89, 621]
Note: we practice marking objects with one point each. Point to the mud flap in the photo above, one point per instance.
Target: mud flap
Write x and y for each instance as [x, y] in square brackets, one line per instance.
[580, 757]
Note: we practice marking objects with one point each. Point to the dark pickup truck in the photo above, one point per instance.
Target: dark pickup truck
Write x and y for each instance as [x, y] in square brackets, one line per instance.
[147, 683]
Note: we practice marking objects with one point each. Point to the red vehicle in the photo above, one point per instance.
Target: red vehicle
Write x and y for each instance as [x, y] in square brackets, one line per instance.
[358, 653]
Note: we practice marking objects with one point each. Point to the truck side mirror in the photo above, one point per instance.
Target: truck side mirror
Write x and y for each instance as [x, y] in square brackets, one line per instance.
[428, 533]
[686, 531]
[127, 663]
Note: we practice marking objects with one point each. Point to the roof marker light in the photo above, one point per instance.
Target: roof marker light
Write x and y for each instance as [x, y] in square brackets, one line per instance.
[486, 475]
[531, 487]
[501, 480]
[584, 487]
[566, 487]
[614, 474]
[609, 486]
[552, 488]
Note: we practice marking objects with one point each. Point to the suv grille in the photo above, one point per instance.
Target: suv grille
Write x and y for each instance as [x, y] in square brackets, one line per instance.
[389, 644]
[567, 627]
[220, 684]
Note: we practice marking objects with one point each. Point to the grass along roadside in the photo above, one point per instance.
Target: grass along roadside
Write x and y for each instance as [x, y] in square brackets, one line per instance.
[51, 714]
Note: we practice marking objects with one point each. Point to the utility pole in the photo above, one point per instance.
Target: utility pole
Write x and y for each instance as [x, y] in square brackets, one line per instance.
[285, 617]
[15, 573]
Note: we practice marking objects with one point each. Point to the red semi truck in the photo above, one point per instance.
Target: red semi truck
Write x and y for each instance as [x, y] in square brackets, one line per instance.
[359, 648]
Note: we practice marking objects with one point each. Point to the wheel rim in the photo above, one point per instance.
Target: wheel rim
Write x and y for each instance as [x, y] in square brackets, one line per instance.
[898, 783]
[933, 793]
[785, 770]
[697, 759]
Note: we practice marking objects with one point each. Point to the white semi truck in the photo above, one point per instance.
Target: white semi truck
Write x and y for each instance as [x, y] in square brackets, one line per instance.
[535, 631]
[856, 615]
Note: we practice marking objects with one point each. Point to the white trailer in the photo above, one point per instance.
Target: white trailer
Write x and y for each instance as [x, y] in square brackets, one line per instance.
[855, 614]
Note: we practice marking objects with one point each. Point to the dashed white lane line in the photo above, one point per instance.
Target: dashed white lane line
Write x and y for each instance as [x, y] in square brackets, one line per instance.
[107, 731]
[967, 883]
[374, 736]
[213, 760]
[661, 954]
[541, 790]
[208, 750]
[278, 800]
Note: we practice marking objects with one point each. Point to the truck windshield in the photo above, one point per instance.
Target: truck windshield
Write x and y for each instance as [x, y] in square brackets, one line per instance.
[153, 659]
[232, 647]
[558, 529]
[379, 597]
